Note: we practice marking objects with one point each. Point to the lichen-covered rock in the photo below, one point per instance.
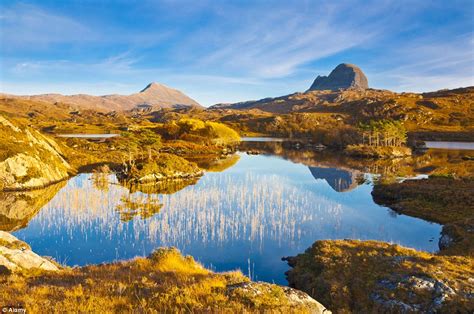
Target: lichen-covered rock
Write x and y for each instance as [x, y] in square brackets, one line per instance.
[28, 159]
[257, 293]
[342, 77]
[16, 255]
[424, 294]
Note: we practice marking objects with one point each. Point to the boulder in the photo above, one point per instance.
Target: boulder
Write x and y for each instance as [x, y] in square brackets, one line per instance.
[16, 255]
[344, 76]
[254, 293]
[418, 287]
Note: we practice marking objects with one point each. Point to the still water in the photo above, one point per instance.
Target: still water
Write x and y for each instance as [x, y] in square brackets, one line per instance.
[246, 217]
[83, 135]
[450, 145]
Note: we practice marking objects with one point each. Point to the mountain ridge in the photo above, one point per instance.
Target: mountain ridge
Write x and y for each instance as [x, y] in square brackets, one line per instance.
[155, 95]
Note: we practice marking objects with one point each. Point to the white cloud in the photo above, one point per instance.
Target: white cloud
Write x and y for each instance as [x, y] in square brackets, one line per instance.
[231, 52]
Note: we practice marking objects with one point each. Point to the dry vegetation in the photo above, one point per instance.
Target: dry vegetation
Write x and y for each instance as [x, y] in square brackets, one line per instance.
[344, 275]
[165, 282]
[443, 114]
[374, 277]
[441, 199]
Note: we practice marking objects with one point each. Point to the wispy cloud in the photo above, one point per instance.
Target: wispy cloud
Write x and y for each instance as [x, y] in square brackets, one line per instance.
[31, 27]
[26, 25]
[275, 41]
[232, 51]
[430, 65]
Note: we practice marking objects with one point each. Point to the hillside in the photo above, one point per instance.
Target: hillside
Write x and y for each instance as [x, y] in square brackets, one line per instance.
[344, 98]
[154, 95]
[441, 111]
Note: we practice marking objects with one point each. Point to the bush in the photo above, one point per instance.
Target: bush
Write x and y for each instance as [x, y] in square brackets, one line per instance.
[198, 131]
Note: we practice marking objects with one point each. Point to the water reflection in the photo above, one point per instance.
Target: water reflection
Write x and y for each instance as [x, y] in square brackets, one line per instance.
[17, 208]
[138, 206]
[339, 179]
[261, 209]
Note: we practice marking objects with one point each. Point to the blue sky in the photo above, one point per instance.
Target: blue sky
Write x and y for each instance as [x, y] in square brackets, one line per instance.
[228, 51]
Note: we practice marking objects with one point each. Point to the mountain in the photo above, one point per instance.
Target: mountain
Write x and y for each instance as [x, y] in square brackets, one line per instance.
[153, 95]
[344, 76]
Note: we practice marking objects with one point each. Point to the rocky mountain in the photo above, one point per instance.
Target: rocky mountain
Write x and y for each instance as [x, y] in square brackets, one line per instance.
[154, 95]
[344, 76]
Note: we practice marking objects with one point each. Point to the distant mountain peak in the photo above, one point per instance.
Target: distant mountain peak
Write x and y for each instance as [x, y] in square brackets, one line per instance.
[153, 86]
[343, 76]
[154, 95]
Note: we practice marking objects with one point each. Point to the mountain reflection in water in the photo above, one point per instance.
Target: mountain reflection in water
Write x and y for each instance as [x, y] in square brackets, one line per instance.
[340, 180]
[255, 212]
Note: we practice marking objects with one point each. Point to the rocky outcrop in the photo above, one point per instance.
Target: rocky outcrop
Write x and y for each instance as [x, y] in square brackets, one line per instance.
[418, 286]
[16, 255]
[28, 159]
[350, 276]
[254, 292]
[344, 76]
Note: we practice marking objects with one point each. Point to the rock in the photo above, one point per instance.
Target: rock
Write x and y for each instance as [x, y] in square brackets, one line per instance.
[344, 76]
[16, 255]
[445, 241]
[30, 159]
[416, 288]
[282, 297]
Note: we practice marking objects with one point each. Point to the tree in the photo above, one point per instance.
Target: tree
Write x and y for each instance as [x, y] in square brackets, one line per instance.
[383, 133]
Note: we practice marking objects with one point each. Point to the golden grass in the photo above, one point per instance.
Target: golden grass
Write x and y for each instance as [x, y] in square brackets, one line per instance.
[342, 274]
[165, 282]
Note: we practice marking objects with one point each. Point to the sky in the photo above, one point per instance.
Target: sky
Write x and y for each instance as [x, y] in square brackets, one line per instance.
[230, 51]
